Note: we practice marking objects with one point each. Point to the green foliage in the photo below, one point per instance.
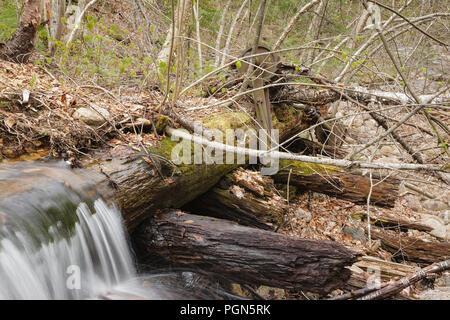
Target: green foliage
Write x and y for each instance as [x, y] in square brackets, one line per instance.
[8, 19]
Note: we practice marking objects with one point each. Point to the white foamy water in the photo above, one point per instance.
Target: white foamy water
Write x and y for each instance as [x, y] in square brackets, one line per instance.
[94, 261]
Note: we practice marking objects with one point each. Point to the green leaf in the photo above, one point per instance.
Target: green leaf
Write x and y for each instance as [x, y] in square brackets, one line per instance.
[238, 64]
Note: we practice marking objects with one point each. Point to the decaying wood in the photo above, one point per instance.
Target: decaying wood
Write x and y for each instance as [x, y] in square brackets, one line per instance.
[244, 254]
[343, 184]
[384, 220]
[243, 196]
[410, 248]
[21, 44]
[387, 269]
[391, 289]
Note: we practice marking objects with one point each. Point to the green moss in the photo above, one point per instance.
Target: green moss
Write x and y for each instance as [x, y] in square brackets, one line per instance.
[307, 168]
[161, 124]
[228, 120]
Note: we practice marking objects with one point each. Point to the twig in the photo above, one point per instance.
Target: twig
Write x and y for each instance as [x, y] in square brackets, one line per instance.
[78, 21]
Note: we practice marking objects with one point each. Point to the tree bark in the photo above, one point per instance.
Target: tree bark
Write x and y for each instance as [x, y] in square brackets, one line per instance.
[245, 197]
[244, 254]
[340, 183]
[411, 248]
[19, 48]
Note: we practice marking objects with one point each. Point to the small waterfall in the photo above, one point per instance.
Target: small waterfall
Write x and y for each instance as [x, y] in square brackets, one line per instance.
[60, 240]
[87, 264]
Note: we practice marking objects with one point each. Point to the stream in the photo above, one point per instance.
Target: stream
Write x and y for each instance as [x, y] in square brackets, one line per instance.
[57, 242]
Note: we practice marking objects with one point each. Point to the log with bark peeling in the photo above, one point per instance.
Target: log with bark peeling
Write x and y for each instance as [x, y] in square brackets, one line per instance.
[243, 196]
[244, 254]
[410, 248]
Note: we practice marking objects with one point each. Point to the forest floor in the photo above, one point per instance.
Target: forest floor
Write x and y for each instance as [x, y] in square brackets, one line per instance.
[42, 117]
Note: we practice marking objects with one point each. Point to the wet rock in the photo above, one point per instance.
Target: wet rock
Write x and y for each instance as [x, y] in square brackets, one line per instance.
[92, 117]
[355, 233]
[439, 228]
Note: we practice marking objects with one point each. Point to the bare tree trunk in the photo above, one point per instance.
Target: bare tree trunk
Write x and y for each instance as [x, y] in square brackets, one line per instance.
[184, 15]
[314, 28]
[19, 48]
[197, 26]
[230, 33]
[293, 22]
[58, 8]
[219, 35]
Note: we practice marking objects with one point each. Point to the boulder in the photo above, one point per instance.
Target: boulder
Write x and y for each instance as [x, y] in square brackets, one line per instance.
[92, 117]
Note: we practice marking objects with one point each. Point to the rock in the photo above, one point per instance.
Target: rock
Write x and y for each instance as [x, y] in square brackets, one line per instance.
[357, 123]
[270, 293]
[413, 202]
[303, 214]
[370, 123]
[434, 205]
[388, 160]
[445, 216]
[355, 233]
[439, 229]
[92, 117]
[438, 293]
[388, 150]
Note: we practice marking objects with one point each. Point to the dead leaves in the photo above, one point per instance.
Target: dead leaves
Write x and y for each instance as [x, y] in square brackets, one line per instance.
[10, 122]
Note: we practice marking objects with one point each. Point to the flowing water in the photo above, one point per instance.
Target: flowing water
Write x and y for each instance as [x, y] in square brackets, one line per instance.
[56, 243]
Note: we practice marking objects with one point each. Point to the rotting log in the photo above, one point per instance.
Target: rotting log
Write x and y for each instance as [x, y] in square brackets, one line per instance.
[243, 254]
[338, 182]
[244, 196]
[410, 248]
[385, 220]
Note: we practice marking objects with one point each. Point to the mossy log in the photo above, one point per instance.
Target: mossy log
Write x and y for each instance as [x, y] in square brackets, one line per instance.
[243, 196]
[243, 254]
[140, 184]
[342, 183]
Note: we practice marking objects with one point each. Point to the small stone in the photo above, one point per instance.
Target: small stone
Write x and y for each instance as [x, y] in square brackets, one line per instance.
[270, 293]
[388, 150]
[358, 122]
[388, 160]
[92, 117]
[445, 216]
[355, 233]
[303, 214]
[413, 203]
[439, 228]
[434, 205]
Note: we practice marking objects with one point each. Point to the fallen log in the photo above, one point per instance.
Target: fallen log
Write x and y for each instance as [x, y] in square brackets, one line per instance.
[243, 254]
[385, 220]
[245, 197]
[388, 270]
[411, 248]
[338, 182]
[387, 290]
